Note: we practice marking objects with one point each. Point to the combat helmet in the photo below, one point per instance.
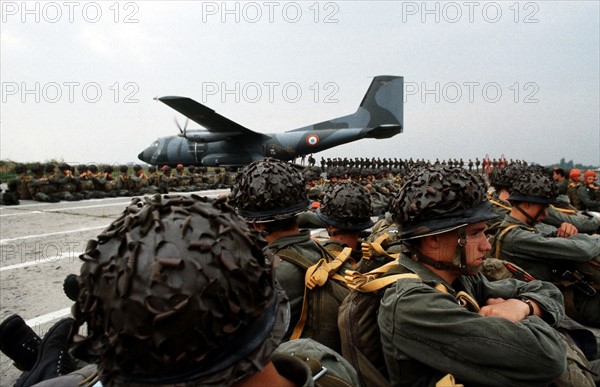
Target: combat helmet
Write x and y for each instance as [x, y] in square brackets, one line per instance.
[177, 291]
[437, 199]
[534, 187]
[346, 206]
[311, 173]
[334, 172]
[269, 190]
[505, 177]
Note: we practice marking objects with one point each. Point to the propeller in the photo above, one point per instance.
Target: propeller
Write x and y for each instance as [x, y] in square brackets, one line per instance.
[182, 131]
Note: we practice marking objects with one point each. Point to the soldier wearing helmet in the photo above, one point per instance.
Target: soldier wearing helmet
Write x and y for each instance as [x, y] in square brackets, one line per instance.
[502, 336]
[565, 257]
[67, 184]
[558, 213]
[189, 300]
[346, 211]
[270, 194]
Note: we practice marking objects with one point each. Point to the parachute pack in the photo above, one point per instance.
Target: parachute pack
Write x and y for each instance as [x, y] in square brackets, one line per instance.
[324, 291]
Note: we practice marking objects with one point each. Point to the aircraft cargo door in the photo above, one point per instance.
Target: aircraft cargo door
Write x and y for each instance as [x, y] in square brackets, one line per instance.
[198, 150]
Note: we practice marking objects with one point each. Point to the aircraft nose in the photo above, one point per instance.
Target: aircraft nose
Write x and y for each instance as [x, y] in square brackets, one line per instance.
[144, 156]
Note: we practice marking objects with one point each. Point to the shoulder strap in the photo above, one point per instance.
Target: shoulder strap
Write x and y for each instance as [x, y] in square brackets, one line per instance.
[500, 236]
[567, 211]
[295, 258]
[316, 275]
[375, 279]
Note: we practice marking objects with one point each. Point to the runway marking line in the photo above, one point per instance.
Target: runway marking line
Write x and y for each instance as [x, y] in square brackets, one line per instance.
[40, 261]
[2, 241]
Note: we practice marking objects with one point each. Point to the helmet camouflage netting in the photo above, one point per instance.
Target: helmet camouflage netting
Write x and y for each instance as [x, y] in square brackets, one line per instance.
[268, 190]
[534, 186]
[438, 199]
[346, 206]
[177, 290]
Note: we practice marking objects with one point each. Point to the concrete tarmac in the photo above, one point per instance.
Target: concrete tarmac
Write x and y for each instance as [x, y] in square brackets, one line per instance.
[39, 245]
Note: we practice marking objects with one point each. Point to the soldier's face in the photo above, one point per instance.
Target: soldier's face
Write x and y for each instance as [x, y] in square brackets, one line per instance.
[590, 179]
[476, 247]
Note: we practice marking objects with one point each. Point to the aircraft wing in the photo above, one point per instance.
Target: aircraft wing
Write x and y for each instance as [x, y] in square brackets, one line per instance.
[205, 116]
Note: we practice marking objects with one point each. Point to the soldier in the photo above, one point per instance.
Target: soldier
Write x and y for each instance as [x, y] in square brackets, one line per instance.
[197, 181]
[588, 192]
[168, 183]
[573, 186]
[67, 188]
[23, 186]
[123, 182]
[346, 210]
[565, 257]
[107, 182]
[53, 183]
[39, 187]
[141, 181]
[88, 184]
[312, 179]
[561, 182]
[503, 334]
[154, 178]
[334, 175]
[183, 180]
[202, 308]
[270, 194]
[503, 179]
[18, 188]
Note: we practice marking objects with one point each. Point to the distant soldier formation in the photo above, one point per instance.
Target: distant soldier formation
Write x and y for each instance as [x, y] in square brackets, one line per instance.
[429, 274]
[51, 183]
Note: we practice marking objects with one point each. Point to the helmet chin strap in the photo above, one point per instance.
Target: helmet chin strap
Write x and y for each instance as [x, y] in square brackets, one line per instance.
[459, 260]
[530, 220]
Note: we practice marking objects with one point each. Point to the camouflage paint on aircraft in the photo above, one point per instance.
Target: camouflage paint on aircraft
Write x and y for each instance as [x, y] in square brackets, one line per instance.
[226, 143]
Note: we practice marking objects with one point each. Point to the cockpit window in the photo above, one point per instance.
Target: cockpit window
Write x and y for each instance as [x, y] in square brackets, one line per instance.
[155, 145]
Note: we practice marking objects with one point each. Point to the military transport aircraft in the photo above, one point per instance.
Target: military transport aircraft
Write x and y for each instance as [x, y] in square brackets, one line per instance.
[226, 143]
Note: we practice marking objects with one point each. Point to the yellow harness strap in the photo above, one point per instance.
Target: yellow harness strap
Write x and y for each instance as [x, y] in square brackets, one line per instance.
[497, 203]
[500, 236]
[371, 249]
[374, 280]
[317, 275]
[566, 211]
[464, 299]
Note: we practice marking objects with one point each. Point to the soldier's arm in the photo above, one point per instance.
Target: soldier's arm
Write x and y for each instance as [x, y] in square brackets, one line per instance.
[489, 351]
[524, 244]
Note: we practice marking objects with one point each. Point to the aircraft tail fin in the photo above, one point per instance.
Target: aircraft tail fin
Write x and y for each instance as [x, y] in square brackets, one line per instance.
[381, 107]
[384, 101]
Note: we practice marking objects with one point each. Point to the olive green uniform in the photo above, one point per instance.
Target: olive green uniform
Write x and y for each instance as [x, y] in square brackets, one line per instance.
[291, 276]
[587, 196]
[426, 334]
[322, 302]
[547, 257]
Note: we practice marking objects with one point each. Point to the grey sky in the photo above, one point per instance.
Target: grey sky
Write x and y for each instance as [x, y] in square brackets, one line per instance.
[515, 78]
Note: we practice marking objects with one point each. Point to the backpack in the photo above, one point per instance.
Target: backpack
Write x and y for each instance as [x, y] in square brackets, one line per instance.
[357, 320]
[324, 292]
